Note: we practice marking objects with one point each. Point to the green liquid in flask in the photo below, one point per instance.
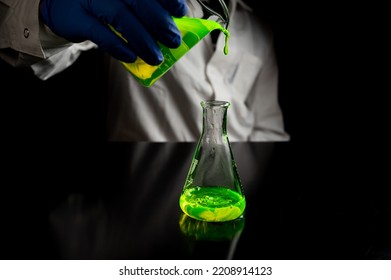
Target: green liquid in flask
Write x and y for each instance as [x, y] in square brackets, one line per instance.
[213, 204]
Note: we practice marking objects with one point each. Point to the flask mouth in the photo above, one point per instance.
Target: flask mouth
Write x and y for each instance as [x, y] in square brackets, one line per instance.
[215, 103]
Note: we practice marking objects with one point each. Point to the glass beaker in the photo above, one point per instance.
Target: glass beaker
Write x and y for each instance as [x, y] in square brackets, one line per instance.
[213, 191]
[192, 30]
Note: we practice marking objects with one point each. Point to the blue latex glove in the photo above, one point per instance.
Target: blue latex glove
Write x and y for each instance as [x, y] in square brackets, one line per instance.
[142, 23]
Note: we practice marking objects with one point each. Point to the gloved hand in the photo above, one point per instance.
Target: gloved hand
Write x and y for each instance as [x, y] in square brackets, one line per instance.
[142, 23]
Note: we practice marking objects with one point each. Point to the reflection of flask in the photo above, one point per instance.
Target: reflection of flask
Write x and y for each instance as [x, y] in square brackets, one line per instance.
[211, 240]
[209, 231]
[213, 191]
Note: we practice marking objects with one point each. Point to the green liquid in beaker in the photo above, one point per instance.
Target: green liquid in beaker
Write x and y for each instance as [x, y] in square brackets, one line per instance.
[212, 204]
[192, 30]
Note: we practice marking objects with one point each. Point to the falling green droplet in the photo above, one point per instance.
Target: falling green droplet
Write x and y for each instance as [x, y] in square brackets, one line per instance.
[226, 33]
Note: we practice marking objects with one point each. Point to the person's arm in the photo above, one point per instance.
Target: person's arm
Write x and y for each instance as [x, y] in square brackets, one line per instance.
[33, 30]
[26, 42]
[19, 32]
[141, 24]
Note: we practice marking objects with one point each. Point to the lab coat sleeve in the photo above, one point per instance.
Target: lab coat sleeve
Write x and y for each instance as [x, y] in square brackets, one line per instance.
[27, 42]
[19, 32]
[61, 60]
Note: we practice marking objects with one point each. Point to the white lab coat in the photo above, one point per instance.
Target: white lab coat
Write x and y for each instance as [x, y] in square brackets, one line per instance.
[170, 109]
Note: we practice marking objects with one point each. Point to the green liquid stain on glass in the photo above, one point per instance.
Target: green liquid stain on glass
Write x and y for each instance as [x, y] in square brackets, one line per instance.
[192, 30]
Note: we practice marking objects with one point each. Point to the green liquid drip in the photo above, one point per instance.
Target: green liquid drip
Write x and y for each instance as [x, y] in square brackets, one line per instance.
[212, 204]
[226, 41]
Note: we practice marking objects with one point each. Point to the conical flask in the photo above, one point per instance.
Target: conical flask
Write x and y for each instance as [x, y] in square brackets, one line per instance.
[213, 191]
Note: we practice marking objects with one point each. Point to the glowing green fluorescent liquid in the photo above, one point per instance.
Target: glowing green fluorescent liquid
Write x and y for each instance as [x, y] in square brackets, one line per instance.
[192, 30]
[212, 204]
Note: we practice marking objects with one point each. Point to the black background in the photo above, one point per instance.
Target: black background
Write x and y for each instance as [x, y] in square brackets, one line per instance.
[332, 90]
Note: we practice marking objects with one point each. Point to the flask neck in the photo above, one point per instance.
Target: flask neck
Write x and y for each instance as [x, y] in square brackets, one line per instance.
[215, 120]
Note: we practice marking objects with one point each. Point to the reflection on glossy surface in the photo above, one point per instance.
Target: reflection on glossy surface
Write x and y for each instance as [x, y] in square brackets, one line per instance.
[133, 212]
[211, 240]
[120, 201]
[212, 231]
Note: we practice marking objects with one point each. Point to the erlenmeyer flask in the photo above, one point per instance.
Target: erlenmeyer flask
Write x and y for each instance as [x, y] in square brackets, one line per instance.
[213, 191]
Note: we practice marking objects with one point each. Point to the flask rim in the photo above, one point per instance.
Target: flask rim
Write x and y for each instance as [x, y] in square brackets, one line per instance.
[215, 103]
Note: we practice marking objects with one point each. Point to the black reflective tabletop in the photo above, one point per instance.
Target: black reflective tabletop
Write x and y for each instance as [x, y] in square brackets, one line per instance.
[120, 201]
